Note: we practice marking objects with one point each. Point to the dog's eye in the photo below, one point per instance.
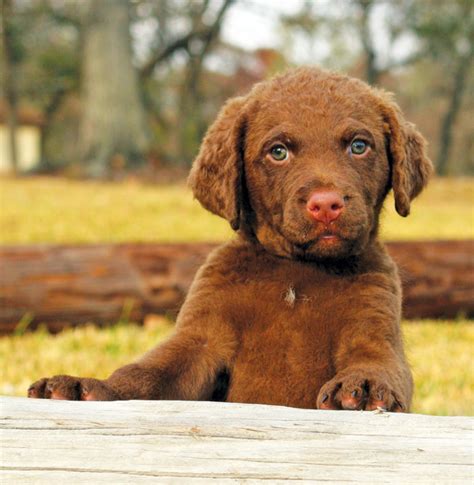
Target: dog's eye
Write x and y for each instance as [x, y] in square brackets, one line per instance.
[279, 152]
[359, 147]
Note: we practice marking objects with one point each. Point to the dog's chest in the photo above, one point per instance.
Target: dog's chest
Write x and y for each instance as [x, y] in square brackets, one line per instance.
[286, 332]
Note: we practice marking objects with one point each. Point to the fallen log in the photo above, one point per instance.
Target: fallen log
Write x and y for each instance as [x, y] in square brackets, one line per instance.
[199, 442]
[437, 277]
[61, 286]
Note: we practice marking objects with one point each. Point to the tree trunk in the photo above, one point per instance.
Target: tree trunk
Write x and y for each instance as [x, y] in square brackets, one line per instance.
[9, 80]
[454, 105]
[70, 285]
[48, 114]
[372, 73]
[191, 127]
[113, 128]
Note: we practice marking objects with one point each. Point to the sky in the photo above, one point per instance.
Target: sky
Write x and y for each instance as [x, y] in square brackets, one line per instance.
[251, 24]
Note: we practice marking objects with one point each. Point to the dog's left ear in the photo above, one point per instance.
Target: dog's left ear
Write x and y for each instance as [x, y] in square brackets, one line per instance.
[411, 167]
[216, 174]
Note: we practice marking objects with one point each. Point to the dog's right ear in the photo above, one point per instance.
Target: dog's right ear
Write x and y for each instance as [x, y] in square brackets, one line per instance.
[216, 174]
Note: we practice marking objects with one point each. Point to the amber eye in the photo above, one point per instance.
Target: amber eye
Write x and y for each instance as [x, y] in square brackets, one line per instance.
[359, 147]
[279, 152]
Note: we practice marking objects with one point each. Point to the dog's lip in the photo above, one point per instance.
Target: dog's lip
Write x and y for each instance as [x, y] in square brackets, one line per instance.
[329, 233]
[329, 238]
[325, 237]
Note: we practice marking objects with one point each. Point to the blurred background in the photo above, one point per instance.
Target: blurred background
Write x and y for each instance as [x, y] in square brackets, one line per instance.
[103, 104]
[98, 87]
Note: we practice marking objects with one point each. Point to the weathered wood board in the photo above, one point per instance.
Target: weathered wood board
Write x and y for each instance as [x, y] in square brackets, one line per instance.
[72, 285]
[199, 442]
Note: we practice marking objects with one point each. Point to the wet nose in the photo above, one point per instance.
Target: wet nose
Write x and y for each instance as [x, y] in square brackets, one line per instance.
[325, 206]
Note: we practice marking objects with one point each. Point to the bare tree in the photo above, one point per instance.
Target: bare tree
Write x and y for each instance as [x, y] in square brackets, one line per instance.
[351, 23]
[395, 25]
[445, 34]
[459, 82]
[199, 23]
[372, 72]
[113, 123]
[191, 127]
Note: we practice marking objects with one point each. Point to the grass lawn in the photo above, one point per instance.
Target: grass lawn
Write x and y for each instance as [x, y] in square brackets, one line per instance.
[440, 355]
[58, 210]
[35, 210]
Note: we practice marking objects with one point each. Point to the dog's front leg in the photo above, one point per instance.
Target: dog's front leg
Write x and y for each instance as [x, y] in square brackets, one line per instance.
[371, 369]
[184, 367]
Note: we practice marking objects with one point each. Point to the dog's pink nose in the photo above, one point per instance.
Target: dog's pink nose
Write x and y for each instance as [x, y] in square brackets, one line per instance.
[325, 206]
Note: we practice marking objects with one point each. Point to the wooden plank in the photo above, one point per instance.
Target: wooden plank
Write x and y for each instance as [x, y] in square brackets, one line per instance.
[72, 285]
[175, 441]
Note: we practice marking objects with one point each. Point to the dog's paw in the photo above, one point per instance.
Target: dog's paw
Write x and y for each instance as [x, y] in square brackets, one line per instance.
[72, 389]
[360, 391]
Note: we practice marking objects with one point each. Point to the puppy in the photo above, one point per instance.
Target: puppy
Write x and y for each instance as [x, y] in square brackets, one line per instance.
[303, 307]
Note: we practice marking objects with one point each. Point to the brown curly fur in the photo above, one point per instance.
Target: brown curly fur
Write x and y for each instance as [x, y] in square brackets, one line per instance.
[279, 315]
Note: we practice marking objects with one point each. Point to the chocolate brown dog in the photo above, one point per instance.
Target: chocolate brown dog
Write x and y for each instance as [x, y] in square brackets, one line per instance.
[303, 307]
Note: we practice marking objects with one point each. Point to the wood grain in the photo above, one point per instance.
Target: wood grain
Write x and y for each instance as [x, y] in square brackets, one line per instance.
[196, 442]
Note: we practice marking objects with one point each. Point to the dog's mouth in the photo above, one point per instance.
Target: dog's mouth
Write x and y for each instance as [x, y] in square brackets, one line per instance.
[330, 244]
[326, 248]
[329, 236]
[325, 240]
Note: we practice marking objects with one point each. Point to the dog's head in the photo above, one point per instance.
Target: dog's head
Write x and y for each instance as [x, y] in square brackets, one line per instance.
[304, 162]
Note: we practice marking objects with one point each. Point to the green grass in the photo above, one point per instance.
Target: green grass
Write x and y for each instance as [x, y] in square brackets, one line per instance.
[53, 210]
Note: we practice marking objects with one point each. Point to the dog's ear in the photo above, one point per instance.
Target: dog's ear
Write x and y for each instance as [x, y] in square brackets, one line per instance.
[410, 165]
[216, 174]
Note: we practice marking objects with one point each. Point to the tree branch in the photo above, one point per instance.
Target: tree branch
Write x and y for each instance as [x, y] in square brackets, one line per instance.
[206, 35]
[161, 55]
[371, 72]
